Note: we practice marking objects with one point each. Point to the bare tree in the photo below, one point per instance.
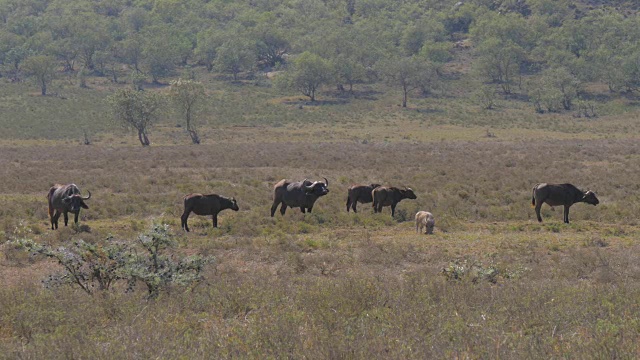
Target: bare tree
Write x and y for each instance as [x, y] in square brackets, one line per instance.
[187, 97]
[42, 68]
[137, 110]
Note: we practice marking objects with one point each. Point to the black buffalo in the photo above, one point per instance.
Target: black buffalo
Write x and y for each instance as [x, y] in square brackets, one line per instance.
[560, 194]
[63, 199]
[390, 196]
[302, 194]
[359, 194]
[210, 204]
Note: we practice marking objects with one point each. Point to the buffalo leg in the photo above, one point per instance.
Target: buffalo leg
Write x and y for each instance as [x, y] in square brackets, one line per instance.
[348, 203]
[302, 209]
[309, 209]
[215, 220]
[566, 214]
[66, 218]
[355, 202]
[54, 219]
[538, 206]
[283, 208]
[184, 218]
[274, 207]
[53, 216]
[393, 210]
[75, 216]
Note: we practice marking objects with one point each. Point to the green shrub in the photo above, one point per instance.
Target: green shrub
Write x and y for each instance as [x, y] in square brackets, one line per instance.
[96, 267]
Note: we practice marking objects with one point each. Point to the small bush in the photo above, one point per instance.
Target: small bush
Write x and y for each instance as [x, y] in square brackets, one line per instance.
[96, 267]
[476, 271]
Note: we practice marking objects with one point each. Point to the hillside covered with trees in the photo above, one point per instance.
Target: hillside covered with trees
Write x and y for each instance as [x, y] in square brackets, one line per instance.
[543, 49]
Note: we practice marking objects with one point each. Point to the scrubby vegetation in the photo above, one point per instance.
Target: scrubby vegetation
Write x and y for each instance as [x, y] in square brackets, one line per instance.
[470, 104]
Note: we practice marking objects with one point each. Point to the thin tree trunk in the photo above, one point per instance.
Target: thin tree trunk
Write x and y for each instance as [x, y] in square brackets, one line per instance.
[142, 136]
[194, 137]
[404, 96]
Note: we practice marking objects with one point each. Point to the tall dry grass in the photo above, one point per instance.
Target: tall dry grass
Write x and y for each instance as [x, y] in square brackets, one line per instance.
[333, 284]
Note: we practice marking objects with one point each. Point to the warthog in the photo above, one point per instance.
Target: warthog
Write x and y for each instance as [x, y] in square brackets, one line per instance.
[302, 194]
[210, 204]
[425, 219]
[390, 196]
[560, 194]
[361, 194]
[64, 199]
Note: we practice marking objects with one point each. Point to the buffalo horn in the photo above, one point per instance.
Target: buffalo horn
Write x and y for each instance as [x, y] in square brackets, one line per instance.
[309, 187]
[326, 182]
[88, 197]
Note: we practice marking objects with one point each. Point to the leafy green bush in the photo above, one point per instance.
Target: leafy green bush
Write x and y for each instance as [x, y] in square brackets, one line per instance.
[157, 270]
[97, 267]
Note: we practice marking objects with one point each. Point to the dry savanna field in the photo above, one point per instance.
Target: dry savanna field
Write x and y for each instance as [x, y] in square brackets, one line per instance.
[490, 283]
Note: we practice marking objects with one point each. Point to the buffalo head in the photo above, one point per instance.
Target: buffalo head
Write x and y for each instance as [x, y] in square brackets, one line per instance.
[408, 193]
[76, 201]
[317, 188]
[590, 198]
[234, 205]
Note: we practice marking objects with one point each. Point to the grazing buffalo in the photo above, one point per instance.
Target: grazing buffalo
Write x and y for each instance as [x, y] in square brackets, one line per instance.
[210, 204]
[425, 219]
[302, 194]
[64, 199]
[390, 196]
[361, 194]
[560, 194]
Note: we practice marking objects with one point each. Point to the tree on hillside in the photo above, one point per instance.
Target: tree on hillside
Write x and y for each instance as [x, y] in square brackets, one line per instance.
[163, 48]
[12, 49]
[131, 51]
[188, 97]
[271, 45]
[235, 56]
[308, 72]
[42, 69]
[66, 51]
[499, 62]
[561, 80]
[348, 71]
[424, 30]
[554, 90]
[137, 110]
[554, 12]
[631, 71]
[89, 36]
[208, 41]
[409, 73]
[106, 62]
[508, 28]
[437, 52]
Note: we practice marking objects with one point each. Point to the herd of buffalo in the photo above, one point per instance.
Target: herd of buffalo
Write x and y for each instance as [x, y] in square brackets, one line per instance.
[64, 199]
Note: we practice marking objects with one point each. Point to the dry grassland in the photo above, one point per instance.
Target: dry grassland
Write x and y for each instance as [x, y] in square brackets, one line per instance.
[490, 283]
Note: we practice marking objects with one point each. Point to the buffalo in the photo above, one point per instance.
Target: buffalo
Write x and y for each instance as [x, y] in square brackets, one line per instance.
[425, 219]
[63, 199]
[390, 196]
[361, 194]
[302, 194]
[560, 194]
[210, 204]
